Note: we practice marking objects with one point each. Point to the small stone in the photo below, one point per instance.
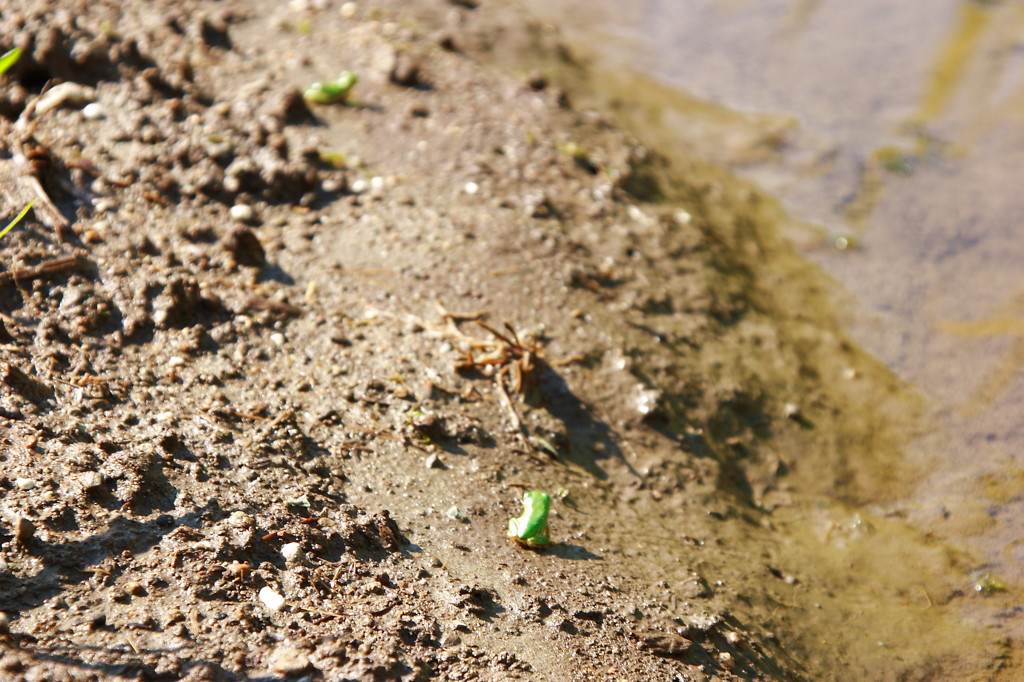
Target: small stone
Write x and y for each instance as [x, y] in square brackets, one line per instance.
[433, 462]
[359, 186]
[376, 184]
[134, 588]
[242, 213]
[300, 501]
[271, 599]
[457, 514]
[25, 483]
[89, 480]
[333, 185]
[683, 217]
[472, 188]
[245, 246]
[165, 416]
[5, 623]
[240, 519]
[726, 660]
[288, 662]
[791, 411]
[176, 361]
[665, 644]
[349, 9]
[278, 339]
[450, 639]
[646, 400]
[292, 552]
[24, 529]
[93, 111]
[406, 71]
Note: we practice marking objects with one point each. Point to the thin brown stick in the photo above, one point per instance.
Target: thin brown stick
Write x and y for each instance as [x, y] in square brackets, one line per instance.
[460, 317]
[251, 417]
[497, 334]
[44, 269]
[499, 381]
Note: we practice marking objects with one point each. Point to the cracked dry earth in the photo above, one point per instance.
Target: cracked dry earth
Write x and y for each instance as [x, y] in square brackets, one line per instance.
[276, 442]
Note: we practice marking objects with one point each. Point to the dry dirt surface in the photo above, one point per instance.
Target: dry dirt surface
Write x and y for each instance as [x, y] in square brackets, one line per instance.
[276, 374]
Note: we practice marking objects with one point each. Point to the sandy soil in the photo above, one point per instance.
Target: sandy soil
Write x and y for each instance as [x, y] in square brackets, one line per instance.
[285, 441]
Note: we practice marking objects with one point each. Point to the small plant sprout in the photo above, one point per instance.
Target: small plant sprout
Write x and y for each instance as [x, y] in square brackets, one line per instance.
[6, 62]
[17, 220]
[8, 59]
[329, 92]
[531, 528]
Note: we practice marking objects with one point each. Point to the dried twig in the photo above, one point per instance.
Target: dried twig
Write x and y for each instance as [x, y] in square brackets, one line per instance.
[44, 269]
[460, 317]
[500, 384]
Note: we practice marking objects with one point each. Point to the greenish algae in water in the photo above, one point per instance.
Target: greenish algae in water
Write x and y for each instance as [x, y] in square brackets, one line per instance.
[848, 594]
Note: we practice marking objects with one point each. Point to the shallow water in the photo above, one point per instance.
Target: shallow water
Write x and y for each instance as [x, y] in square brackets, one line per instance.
[895, 133]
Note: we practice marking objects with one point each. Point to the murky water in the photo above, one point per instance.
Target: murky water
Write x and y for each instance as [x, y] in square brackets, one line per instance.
[895, 132]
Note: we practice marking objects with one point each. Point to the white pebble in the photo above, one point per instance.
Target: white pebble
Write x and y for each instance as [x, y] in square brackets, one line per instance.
[240, 519]
[176, 361]
[164, 416]
[271, 599]
[202, 544]
[332, 185]
[242, 212]
[291, 551]
[359, 186]
[376, 183]
[349, 9]
[25, 483]
[472, 188]
[277, 338]
[683, 217]
[93, 111]
[457, 514]
[90, 480]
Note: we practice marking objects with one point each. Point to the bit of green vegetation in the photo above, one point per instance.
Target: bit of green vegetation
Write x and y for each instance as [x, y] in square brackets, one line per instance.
[895, 160]
[531, 528]
[6, 62]
[336, 159]
[328, 92]
[574, 150]
[17, 220]
[9, 58]
[989, 585]
[546, 444]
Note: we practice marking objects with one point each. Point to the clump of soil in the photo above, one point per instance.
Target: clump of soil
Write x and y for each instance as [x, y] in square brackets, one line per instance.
[253, 426]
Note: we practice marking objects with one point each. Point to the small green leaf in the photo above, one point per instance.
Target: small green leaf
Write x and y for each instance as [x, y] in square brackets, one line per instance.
[18, 219]
[7, 61]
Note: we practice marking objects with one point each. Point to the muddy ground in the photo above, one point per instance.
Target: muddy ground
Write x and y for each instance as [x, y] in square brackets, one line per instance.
[285, 441]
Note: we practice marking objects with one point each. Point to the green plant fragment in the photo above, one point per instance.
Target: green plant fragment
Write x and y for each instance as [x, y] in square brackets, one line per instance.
[17, 220]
